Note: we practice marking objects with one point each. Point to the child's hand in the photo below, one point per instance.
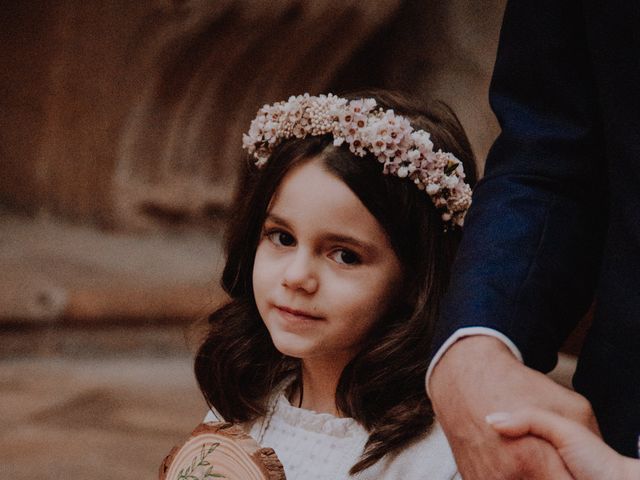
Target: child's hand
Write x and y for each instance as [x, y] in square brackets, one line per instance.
[586, 456]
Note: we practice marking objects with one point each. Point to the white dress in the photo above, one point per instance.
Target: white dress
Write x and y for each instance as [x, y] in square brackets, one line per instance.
[319, 446]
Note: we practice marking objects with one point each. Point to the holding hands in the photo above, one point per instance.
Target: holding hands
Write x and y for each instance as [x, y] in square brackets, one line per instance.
[585, 455]
[477, 376]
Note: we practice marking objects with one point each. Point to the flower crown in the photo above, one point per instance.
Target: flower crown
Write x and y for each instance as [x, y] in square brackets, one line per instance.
[366, 128]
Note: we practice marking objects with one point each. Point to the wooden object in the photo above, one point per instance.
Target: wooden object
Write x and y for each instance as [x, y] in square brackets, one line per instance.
[221, 450]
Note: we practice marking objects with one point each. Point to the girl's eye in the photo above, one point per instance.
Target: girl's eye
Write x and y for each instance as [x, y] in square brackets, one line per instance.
[280, 238]
[345, 257]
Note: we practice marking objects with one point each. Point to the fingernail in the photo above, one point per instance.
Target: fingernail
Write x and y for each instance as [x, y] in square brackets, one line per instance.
[497, 417]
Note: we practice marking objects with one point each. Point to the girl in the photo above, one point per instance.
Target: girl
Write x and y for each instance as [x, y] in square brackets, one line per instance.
[337, 258]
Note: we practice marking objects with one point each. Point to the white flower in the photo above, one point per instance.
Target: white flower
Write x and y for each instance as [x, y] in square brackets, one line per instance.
[432, 188]
[450, 181]
[413, 156]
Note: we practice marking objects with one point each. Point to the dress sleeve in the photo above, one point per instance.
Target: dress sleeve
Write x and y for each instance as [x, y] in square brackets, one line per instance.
[532, 239]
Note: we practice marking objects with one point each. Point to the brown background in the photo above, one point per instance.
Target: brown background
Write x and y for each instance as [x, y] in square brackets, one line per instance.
[113, 112]
[120, 128]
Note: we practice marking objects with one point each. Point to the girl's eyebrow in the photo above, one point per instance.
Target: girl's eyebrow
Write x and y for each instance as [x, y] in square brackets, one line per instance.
[329, 236]
[276, 219]
[346, 239]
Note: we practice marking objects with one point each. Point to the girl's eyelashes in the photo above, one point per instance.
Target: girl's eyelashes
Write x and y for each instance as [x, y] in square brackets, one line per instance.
[280, 238]
[345, 257]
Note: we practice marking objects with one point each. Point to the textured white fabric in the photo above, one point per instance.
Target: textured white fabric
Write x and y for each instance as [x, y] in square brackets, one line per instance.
[319, 446]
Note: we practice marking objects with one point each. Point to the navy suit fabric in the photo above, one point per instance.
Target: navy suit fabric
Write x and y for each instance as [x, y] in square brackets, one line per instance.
[555, 221]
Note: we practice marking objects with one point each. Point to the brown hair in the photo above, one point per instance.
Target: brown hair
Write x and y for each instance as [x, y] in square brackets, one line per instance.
[382, 387]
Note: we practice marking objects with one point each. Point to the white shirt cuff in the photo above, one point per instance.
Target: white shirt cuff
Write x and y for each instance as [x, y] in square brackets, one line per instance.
[468, 332]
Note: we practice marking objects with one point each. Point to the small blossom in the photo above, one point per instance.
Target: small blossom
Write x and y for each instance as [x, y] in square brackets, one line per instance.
[450, 181]
[432, 189]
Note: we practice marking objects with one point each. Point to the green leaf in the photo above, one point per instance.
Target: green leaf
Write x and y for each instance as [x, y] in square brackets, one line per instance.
[451, 167]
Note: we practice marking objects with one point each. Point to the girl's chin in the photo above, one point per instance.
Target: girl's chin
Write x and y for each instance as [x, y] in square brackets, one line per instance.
[292, 350]
[293, 346]
[313, 354]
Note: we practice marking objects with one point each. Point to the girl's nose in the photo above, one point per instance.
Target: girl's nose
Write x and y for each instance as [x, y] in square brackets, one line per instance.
[299, 273]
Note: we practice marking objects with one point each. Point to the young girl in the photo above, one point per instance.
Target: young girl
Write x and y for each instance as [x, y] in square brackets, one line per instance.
[337, 258]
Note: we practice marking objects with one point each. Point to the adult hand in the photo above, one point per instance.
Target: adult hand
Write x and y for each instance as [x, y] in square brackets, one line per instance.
[585, 455]
[478, 375]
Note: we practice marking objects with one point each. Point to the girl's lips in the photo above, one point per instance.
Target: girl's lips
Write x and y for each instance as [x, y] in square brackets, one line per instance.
[291, 312]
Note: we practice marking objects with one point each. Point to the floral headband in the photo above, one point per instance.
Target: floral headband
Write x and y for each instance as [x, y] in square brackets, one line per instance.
[366, 128]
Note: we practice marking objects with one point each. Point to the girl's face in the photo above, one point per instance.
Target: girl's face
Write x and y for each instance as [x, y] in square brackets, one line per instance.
[324, 270]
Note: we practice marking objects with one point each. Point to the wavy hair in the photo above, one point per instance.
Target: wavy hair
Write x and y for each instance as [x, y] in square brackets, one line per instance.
[237, 366]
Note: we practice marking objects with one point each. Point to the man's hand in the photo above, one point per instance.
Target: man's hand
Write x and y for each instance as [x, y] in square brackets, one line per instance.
[478, 375]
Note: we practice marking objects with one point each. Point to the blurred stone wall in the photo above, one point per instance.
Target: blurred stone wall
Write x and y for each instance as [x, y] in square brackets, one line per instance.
[129, 114]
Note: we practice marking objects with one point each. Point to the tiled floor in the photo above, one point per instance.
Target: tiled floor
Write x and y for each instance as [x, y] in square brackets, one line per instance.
[99, 419]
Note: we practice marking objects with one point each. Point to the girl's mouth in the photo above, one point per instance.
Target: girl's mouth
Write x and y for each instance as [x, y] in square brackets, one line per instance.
[296, 314]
